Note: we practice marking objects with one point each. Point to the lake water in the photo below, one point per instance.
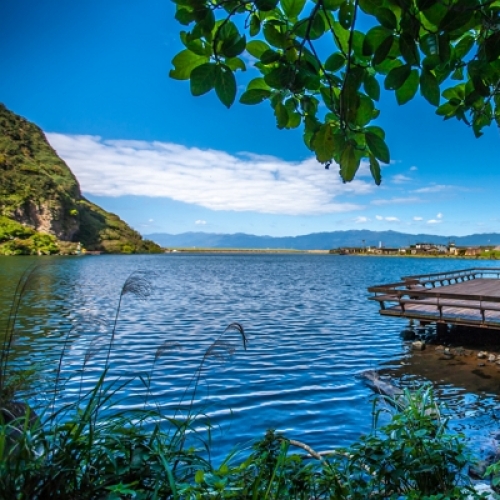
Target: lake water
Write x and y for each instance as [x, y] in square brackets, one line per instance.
[309, 324]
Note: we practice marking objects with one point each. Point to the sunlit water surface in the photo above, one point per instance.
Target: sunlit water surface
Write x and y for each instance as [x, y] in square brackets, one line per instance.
[310, 327]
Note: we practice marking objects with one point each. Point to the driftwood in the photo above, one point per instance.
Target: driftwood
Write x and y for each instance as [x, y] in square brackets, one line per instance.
[372, 379]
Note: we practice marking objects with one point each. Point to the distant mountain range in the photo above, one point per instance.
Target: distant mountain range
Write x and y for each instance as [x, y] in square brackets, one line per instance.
[316, 241]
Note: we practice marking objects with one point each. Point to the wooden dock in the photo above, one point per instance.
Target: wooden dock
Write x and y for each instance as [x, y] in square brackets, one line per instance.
[468, 297]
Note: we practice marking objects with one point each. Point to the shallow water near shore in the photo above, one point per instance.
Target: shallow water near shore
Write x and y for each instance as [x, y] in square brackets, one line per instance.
[310, 326]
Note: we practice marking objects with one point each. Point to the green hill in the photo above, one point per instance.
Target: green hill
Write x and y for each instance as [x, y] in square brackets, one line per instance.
[42, 210]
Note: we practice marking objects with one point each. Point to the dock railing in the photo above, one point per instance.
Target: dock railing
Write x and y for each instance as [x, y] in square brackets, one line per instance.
[429, 290]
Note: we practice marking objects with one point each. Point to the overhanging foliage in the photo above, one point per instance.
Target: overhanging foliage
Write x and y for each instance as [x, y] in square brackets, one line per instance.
[449, 50]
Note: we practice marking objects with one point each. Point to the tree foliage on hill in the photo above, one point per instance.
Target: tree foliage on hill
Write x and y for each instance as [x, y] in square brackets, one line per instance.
[31, 176]
[314, 56]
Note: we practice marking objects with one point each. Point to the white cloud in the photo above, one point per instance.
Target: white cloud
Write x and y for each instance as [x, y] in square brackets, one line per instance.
[436, 188]
[392, 219]
[439, 215]
[200, 222]
[434, 221]
[418, 218]
[411, 199]
[209, 178]
[379, 217]
[400, 179]
[361, 219]
[413, 168]
[151, 220]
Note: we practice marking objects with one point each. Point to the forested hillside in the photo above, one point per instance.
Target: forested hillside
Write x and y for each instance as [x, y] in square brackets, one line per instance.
[42, 210]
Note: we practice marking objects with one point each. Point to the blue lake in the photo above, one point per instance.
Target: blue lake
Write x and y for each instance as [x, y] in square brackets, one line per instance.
[309, 323]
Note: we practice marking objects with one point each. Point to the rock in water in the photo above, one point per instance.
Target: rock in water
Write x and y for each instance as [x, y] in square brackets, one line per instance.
[418, 345]
[407, 335]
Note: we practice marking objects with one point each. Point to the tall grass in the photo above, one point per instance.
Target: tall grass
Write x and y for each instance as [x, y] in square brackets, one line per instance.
[92, 449]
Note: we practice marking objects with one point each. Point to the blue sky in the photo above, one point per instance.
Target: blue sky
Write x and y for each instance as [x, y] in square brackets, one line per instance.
[94, 76]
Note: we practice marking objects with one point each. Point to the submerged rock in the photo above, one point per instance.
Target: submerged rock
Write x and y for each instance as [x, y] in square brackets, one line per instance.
[407, 335]
[418, 345]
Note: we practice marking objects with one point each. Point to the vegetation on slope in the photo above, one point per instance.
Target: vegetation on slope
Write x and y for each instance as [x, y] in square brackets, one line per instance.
[41, 205]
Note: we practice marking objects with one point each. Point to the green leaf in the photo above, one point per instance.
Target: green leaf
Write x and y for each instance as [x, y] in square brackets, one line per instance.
[280, 77]
[254, 96]
[429, 87]
[202, 79]
[184, 63]
[447, 110]
[374, 39]
[257, 47]
[341, 37]
[225, 85]
[323, 143]
[235, 63]
[408, 49]
[258, 83]
[317, 27]
[397, 76]
[375, 170]
[281, 114]
[266, 5]
[335, 62]
[346, 15]
[492, 46]
[371, 87]
[378, 147]
[274, 36]
[235, 47]
[294, 120]
[198, 477]
[292, 8]
[463, 47]
[454, 20]
[332, 4]
[365, 111]
[386, 18]
[409, 88]
[270, 56]
[349, 162]
[383, 50]
[376, 130]
[254, 25]
[184, 16]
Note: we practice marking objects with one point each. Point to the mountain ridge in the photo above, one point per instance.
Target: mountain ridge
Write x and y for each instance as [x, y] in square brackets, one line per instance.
[325, 240]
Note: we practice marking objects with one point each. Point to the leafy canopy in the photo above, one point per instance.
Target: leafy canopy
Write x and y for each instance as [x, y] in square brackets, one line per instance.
[449, 50]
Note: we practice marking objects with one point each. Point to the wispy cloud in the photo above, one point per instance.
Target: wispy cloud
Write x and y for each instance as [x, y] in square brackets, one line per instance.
[209, 178]
[361, 219]
[434, 221]
[388, 219]
[435, 188]
[200, 222]
[418, 218]
[400, 179]
[413, 168]
[411, 199]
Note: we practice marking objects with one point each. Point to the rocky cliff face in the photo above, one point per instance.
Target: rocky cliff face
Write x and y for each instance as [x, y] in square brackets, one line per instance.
[39, 191]
[48, 217]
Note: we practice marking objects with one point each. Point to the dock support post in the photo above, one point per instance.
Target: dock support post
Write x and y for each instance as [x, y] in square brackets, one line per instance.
[441, 329]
